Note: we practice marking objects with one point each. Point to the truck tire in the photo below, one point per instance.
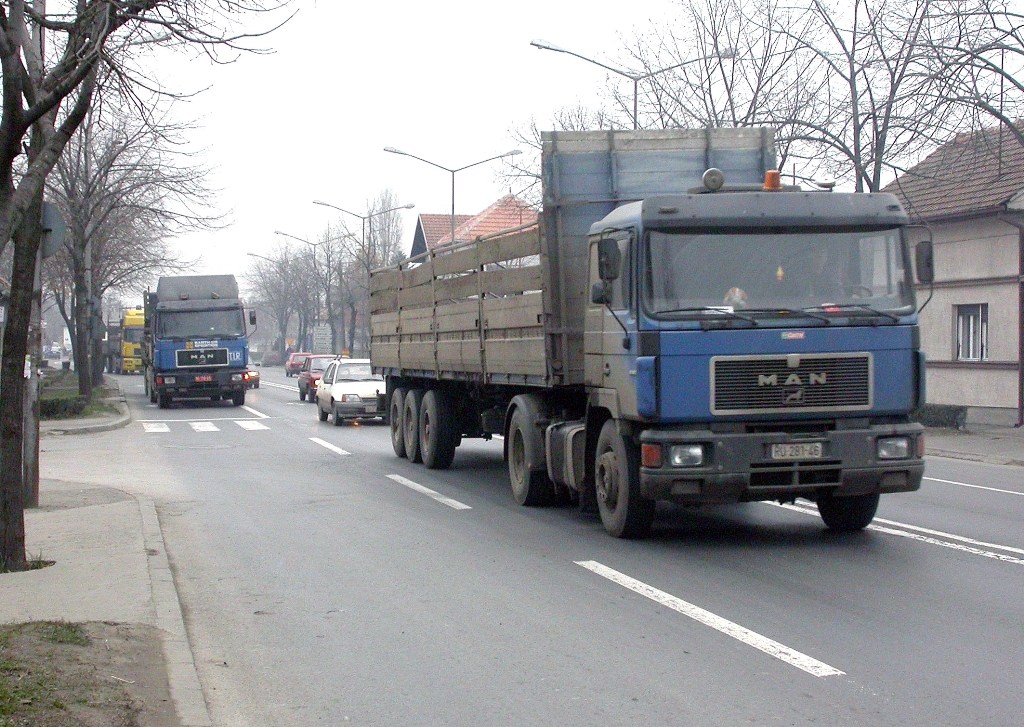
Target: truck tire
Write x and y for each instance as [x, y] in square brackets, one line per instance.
[395, 408]
[847, 514]
[411, 424]
[529, 487]
[437, 430]
[624, 512]
[164, 401]
[238, 398]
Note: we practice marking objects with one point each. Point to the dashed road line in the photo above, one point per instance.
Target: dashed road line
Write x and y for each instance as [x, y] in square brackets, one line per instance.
[454, 504]
[155, 427]
[279, 386]
[740, 633]
[911, 531]
[328, 445]
[975, 487]
[250, 425]
[204, 426]
[257, 414]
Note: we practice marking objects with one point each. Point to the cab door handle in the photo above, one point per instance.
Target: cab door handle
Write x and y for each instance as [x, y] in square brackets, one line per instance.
[607, 369]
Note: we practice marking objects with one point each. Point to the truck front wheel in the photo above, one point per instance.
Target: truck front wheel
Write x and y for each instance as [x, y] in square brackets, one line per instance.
[529, 487]
[847, 514]
[164, 401]
[624, 512]
[395, 421]
[238, 398]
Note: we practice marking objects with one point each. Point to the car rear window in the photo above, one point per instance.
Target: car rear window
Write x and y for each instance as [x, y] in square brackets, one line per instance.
[319, 364]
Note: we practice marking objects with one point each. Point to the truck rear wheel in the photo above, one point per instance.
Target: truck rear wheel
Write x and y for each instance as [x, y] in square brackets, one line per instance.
[395, 409]
[529, 487]
[624, 512]
[847, 514]
[411, 424]
[437, 430]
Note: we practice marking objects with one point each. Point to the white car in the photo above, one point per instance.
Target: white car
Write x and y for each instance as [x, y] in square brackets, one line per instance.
[349, 390]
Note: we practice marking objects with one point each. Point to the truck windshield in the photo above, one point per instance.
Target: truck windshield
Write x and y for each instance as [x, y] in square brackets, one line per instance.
[201, 324]
[827, 272]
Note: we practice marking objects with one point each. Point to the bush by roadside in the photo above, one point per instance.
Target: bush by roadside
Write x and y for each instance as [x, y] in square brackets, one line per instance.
[944, 416]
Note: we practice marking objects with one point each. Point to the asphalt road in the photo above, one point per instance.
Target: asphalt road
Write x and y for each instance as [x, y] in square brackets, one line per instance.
[327, 582]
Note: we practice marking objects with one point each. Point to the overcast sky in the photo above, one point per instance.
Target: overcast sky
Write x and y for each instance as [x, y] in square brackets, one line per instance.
[445, 81]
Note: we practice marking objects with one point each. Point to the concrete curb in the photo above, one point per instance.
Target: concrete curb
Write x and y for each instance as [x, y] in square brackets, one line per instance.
[68, 426]
[186, 690]
[972, 457]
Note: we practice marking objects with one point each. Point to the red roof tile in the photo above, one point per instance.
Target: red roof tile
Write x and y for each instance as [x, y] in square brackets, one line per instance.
[973, 174]
[437, 226]
[507, 212]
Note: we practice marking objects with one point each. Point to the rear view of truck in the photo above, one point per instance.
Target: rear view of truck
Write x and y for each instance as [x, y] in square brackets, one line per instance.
[196, 341]
[678, 327]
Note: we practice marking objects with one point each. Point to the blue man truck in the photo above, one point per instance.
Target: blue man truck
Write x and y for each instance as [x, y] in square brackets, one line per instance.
[678, 326]
[196, 343]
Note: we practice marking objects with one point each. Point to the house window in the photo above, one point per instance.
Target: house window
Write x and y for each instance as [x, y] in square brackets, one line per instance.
[972, 332]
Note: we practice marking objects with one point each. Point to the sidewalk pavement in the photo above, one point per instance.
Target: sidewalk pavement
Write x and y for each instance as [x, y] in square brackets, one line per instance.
[111, 564]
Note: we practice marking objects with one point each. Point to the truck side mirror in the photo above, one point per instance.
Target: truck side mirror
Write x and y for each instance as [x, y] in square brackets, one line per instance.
[601, 293]
[924, 261]
[252, 318]
[609, 259]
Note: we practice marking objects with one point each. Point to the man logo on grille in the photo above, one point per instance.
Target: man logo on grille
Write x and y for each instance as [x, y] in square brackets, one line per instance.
[792, 380]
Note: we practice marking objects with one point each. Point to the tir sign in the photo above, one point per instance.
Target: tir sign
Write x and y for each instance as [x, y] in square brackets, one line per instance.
[792, 380]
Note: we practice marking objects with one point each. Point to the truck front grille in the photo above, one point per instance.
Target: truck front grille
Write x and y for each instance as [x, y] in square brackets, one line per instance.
[791, 383]
[201, 357]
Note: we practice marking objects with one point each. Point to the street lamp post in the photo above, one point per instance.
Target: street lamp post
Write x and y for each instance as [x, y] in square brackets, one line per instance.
[393, 150]
[631, 75]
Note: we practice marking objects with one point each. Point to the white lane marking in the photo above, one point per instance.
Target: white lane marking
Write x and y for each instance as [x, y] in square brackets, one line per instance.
[931, 541]
[740, 633]
[455, 504]
[183, 421]
[257, 414]
[976, 487]
[251, 425]
[204, 426]
[154, 427]
[328, 445]
[279, 386]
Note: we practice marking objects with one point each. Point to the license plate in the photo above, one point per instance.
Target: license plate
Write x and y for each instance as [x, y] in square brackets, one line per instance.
[204, 377]
[809, 450]
[370, 410]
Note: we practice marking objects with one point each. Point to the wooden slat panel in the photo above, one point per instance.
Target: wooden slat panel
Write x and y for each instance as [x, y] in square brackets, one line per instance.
[516, 356]
[384, 301]
[416, 276]
[418, 355]
[518, 280]
[516, 311]
[458, 317]
[456, 288]
[384, 324]
[459, 261]
[417, 297]
[385, 280]
[510, 247]
[419, 320]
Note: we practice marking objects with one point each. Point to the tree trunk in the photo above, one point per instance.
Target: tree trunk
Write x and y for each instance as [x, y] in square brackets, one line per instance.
[96, 330]
[352, 327]
[80, 343]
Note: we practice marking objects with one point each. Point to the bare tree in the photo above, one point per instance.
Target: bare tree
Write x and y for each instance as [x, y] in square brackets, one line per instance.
[272, 280]
[44, 103]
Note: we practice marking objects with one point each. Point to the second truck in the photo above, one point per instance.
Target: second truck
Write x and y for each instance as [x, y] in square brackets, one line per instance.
[678, 326]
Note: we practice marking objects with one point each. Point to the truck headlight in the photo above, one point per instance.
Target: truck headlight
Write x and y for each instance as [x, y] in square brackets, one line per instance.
[236, 377]
[686, 455]
[894, 448]
[168, 380]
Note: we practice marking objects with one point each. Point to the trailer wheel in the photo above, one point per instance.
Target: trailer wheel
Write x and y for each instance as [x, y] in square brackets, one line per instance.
[529, 487]
[624, 512]
[395, 409]
[847, 514]
[437, 430]
[411, 424]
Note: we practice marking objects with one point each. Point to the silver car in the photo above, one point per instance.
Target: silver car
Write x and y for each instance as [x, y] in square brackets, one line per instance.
[349, 390]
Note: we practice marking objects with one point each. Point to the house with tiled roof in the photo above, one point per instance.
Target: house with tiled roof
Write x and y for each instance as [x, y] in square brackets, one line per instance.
[430, 228]
[970, 192]
[506, 213]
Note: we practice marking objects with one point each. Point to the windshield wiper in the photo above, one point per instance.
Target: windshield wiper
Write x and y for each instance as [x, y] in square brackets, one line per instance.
[858, 306]
[790, 312]
[714, 310]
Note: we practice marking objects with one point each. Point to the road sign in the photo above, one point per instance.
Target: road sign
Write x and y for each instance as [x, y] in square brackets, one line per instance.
[322, 339]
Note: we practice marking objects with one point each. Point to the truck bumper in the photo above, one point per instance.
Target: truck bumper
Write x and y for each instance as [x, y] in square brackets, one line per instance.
[741, 468]
[191, 384]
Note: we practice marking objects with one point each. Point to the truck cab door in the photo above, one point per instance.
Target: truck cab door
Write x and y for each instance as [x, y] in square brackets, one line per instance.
[608, 364]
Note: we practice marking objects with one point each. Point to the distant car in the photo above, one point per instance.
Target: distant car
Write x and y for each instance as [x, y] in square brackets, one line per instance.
[349, 390]
[294, 363]
[252, 379]
[312, 368]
